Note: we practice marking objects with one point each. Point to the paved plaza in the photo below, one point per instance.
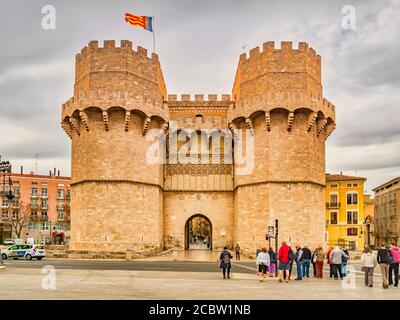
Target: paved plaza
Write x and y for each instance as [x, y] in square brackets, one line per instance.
[177, 276]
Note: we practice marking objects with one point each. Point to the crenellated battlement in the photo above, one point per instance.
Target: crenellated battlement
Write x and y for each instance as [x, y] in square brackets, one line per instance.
[278, 69]
[281, 100]
[118, 68]
[110, 45]
[104, 100]
[198, 98]
[286, 48]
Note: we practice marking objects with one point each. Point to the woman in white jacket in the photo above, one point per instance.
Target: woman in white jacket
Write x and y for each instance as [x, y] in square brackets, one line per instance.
[368, 263]
[263, 263]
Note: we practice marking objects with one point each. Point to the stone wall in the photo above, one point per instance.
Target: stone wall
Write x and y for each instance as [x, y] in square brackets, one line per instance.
[216, 206]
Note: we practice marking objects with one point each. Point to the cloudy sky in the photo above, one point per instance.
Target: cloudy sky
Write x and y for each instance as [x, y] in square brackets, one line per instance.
[199, 43]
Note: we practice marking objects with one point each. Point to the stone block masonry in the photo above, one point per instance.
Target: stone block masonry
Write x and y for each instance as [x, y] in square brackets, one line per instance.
[121, 201]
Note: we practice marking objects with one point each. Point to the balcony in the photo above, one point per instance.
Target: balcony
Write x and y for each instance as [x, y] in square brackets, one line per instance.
[333, 205]
[44, 217]
[34, 206]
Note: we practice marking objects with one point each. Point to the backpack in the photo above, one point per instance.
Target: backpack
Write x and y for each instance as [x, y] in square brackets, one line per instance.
[226, 257]
[291, 255]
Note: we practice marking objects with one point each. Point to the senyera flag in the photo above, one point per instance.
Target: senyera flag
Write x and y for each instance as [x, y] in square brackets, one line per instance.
[144, 22]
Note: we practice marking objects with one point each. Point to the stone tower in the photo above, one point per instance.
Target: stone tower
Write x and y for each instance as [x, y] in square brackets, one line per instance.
[116, 195]
[278, 96]
[122, 201]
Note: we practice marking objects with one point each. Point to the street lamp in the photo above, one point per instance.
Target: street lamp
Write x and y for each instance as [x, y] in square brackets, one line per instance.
[5, 169]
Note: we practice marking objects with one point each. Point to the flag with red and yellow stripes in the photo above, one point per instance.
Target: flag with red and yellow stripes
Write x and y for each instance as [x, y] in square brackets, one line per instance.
[144, 22]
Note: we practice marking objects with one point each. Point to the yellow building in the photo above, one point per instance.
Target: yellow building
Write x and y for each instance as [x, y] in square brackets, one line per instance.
[345, 215]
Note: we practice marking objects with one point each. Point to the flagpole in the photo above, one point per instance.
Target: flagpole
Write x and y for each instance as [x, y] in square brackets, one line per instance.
[154, 36]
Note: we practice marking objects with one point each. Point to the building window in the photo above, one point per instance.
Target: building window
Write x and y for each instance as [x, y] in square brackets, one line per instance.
[60, 205]
[44, 204]
[349, 185]
[44, 213]
[34, 183]
[34, 192]
[34, 214]
[352, 231]
[15, 214]
[333, 198]
[352, 217]
[60, 215]
[34, 203]
[32, 226]
[44, 193]
[16, 191]
[333, 217]
[352, 245]
[352, 198]
[45, 225]
[333, 186]
[355, 185]
[4, 214]
[60, 194]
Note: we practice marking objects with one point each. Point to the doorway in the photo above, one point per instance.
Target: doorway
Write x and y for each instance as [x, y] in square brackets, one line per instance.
[198, 233]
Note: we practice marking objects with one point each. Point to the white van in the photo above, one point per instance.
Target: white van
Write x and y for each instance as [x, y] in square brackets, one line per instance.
[26, 251]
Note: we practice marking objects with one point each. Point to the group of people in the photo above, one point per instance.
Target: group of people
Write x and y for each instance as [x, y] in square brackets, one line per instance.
[388, 260]
[337, 258]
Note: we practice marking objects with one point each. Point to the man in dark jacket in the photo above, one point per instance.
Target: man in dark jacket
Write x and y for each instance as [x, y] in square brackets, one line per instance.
[306, 260]
[345, 261]
[384, 262]
[225, 263]
[299, 263]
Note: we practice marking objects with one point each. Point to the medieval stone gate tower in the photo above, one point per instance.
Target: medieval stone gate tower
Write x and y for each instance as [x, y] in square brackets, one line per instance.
[122, 201]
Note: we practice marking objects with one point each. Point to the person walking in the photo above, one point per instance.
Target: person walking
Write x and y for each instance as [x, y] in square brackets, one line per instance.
[2, 266]
[330, 262]
[292, 258]
[237, 251]
[284, 262]
[272, 259]
[225, 263]
[383, 259]
[319, 262]
[299, 264]
[305, 261]
[336, 257]
[394, 264]
[368, 264]
[345, 261]
[313, 261]
[263, 263]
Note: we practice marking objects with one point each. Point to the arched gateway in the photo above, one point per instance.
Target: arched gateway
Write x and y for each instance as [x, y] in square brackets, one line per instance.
[198, 232]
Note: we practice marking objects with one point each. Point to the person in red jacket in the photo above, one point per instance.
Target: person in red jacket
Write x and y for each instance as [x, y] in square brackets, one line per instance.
[283, 258]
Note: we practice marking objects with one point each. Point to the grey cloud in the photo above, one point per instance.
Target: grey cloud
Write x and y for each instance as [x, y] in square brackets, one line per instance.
[199, 43]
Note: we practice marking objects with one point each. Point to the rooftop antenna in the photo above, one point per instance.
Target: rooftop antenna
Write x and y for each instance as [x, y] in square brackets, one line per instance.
[36, 163]
[244, 47]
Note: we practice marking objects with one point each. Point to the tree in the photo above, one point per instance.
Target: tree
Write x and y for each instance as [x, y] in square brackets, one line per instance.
[18, 217]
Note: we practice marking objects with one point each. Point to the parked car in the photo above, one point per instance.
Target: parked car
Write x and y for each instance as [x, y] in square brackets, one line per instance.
[9, 242]
[26, 251]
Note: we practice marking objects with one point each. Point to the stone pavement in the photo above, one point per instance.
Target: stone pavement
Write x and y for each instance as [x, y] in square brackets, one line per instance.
[19, 283]
[191, 255]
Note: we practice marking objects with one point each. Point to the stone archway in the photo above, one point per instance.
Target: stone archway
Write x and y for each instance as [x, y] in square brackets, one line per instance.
[198, 233]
